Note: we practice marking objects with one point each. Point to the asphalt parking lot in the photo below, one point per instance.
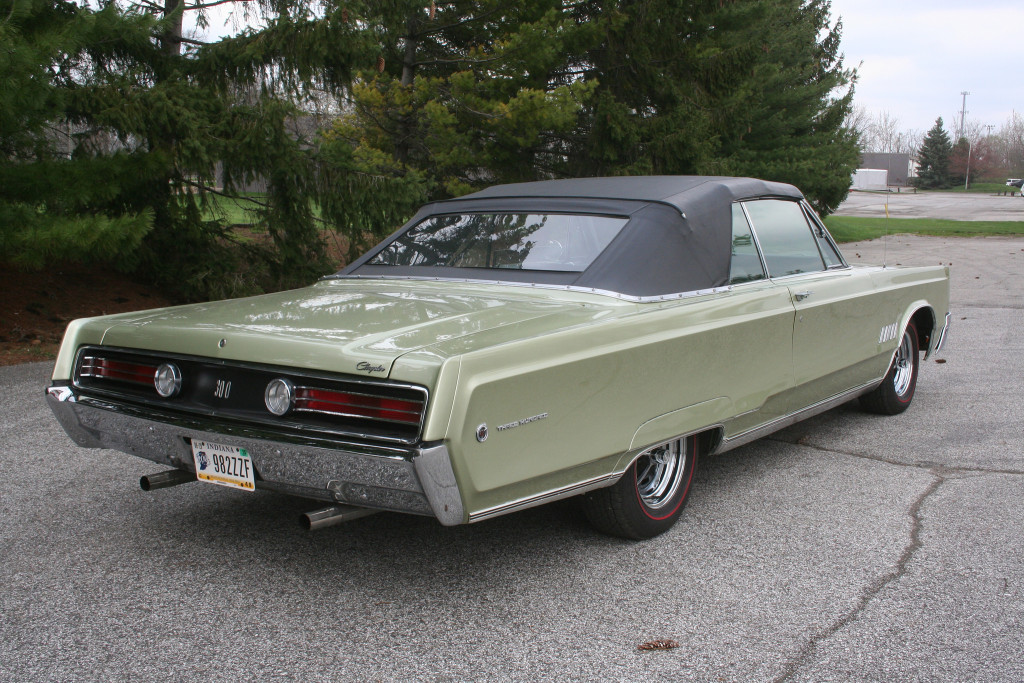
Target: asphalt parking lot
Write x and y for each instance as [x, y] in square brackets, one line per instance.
[949, 205]
[850, 547]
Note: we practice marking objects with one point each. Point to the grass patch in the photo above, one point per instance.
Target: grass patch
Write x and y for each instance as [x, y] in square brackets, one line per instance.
[856, 229]
[240, 211]
[232, 211]
[979, 188]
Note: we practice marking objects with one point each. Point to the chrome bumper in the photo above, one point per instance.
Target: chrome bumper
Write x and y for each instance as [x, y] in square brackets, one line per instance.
[418, 480]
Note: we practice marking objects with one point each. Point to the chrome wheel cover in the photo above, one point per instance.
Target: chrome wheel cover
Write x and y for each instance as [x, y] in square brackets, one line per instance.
[903, 365]
[660, 472]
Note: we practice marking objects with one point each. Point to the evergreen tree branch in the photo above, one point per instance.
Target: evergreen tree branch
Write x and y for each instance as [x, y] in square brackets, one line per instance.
[446, 28]
[207, 5]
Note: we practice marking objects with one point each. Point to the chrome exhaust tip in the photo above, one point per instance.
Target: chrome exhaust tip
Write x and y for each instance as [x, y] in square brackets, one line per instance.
[335, 514]
[162, 480]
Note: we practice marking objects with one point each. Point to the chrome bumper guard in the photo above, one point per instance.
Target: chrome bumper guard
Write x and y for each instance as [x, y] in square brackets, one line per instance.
[941, 339]
[416, 480]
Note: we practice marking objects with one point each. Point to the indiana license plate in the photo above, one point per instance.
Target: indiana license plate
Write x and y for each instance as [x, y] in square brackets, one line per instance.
[224, 465]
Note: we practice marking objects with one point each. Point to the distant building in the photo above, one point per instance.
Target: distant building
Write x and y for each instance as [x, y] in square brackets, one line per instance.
[897, 165]
[870, 179]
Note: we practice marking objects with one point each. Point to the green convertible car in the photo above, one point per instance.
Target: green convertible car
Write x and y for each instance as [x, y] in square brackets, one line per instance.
[530, 342]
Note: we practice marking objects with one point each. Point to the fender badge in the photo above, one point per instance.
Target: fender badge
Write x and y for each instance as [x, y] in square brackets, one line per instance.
[481, 433]
[520, 423]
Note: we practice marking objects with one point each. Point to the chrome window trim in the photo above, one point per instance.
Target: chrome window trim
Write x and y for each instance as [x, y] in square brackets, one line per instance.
[757, 241]
[816, 273]
[813, 217]
[757, 247]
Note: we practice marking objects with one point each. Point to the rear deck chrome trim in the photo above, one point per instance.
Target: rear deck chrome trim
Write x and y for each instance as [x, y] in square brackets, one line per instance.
[535, 285]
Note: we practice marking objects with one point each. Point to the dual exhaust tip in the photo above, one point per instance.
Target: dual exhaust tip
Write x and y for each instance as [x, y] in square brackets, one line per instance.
[317, 519]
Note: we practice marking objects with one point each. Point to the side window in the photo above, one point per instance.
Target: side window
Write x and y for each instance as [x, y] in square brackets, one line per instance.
[786, 240]
[746, 264]
[828, 250]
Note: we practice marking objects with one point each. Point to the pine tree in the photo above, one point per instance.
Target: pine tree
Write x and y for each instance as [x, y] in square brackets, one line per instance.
[460, 98]
[55, 201]
[112, 122]
[477, 93]
[175, 110]
[710, 87]
[933, 158]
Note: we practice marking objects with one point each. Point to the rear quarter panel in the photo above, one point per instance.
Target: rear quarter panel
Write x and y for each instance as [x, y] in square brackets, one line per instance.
[573, 402]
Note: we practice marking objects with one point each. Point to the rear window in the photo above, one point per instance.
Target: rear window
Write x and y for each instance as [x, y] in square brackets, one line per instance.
[520, 241]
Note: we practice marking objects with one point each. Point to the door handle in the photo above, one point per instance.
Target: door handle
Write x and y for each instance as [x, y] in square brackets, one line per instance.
[800, 296]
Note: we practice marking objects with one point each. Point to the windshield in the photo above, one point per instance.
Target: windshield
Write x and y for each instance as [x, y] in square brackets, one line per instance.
[560, 242]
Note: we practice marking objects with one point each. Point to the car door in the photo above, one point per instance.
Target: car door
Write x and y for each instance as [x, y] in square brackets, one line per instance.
[835, 327]
[758, 355]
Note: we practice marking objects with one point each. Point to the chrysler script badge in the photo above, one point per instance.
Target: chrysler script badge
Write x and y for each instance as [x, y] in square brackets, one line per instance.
[363, 366]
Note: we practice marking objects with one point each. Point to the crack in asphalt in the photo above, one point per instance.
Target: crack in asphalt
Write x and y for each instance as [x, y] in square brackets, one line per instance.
[930, 466]
[939, 473]
[874, 588]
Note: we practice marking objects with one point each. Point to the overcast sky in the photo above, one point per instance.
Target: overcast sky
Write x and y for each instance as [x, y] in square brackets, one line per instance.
[916, 56]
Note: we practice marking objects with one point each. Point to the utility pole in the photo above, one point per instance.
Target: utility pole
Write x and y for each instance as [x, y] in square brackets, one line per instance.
[963, 113]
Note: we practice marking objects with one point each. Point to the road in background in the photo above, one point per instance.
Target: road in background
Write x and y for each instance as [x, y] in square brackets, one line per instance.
[850, 547]
[948, 205]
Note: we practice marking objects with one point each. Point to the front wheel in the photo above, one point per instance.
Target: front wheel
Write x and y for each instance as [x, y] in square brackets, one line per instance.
[650, 496]
[896, 391]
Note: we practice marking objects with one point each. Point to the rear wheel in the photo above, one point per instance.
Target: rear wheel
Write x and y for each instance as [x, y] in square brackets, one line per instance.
[650, 496]
[896, 391]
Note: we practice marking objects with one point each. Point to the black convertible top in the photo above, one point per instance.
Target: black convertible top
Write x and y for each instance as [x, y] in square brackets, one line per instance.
[678, 238]
[683, 192]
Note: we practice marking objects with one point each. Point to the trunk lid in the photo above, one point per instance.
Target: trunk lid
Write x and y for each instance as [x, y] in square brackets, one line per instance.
[348, 326]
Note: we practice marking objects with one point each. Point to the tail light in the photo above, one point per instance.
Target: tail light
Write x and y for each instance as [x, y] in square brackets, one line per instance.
[350, 404]
[105, 368]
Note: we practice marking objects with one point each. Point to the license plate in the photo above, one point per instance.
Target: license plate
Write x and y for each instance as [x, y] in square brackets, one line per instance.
[223, 465]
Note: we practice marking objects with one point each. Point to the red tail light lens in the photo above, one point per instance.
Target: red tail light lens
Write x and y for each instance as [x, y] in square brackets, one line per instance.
[115, 369]
[358, 405]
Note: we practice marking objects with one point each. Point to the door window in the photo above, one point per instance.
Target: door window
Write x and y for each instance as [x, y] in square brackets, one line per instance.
[786, 240]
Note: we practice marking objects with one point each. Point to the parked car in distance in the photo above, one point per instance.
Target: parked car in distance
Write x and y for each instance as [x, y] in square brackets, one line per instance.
[530, 342]
[1016, 182]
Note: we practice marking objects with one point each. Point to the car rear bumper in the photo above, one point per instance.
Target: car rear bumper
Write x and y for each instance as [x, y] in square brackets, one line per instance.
[417, 480]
